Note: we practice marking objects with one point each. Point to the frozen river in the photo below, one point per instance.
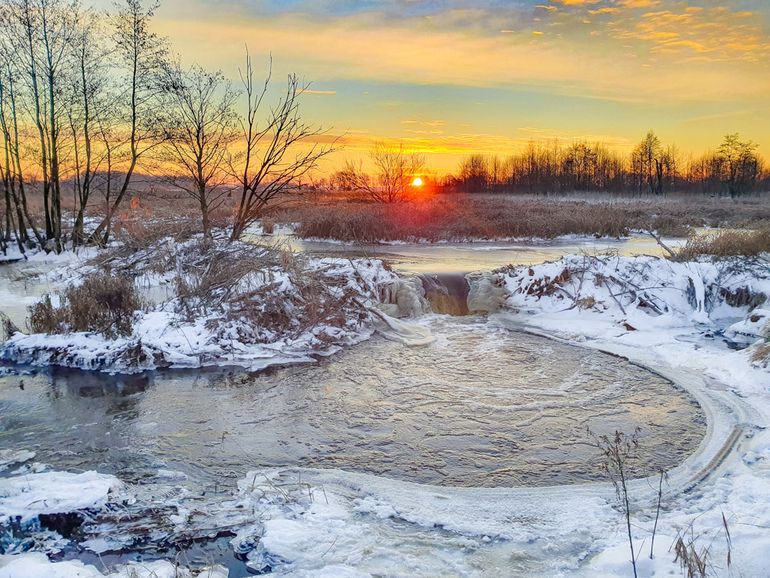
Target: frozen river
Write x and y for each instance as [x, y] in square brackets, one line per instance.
[473, 257]
[482, 407]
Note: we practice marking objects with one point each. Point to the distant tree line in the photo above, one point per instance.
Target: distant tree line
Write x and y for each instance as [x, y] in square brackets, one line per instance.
[734, 169]
[89, 98]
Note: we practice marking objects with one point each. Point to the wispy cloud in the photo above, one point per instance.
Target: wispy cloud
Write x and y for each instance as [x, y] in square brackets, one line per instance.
[577, 69]
[577, 46]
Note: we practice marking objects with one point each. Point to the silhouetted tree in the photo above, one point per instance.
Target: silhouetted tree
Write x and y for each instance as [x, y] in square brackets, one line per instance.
[278, 154]
[203, 125]
[475, 174]
[739, 165]
[394, 171]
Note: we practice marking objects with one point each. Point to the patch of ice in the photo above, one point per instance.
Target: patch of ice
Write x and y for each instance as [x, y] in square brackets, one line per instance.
[11, 457]
[27, 496]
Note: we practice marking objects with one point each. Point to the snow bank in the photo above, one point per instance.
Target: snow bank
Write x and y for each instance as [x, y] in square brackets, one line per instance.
[340, 529]
[39, 256]
[10, 458]
[166, 335]
[668, 316]
[638, 293]
[27, 496]
[755, 327]
[35, 565]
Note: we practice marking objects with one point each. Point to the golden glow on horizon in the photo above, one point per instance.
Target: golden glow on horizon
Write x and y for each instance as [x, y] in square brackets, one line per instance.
[417, 182]
[577, 70]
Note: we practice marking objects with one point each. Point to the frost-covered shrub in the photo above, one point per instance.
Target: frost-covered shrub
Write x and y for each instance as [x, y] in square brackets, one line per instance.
[44, 317]
[726, 244]
[259, 294]
[300, 299]
[102, 303]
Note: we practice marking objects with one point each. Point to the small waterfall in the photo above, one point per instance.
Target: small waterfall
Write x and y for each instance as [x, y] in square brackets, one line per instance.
[447, 293]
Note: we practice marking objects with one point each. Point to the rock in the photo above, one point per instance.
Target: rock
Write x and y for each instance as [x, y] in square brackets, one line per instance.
[756, 326]
[487, 293]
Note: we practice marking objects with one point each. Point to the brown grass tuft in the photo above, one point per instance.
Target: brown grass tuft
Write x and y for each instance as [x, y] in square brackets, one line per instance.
[725, 244]
[102, 303]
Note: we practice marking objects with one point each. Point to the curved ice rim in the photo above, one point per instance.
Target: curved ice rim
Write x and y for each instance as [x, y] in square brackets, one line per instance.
[531, 514]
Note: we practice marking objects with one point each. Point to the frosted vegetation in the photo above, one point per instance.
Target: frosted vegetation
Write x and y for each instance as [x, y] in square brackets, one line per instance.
[184, 301]
[184, 395]
[194, 303]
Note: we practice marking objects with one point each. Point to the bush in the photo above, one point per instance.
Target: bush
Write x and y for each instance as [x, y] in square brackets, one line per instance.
[304, 300]
[103, 304]
[726, 244]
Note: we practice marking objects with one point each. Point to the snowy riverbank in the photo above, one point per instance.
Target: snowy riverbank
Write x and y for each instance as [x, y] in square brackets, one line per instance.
[235, 305]
[672, 318]
[669, 317]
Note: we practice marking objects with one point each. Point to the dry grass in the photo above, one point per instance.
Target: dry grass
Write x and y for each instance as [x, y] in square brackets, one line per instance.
[134, 234]
[459, 217]
[316, 300]
[103, 304]
[446, 218]
[726, 244]
[694, 554]
[211, 275]
[7, 327]
[761, 354]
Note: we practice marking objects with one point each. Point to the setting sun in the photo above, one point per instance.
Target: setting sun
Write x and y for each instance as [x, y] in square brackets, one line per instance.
[589, 246]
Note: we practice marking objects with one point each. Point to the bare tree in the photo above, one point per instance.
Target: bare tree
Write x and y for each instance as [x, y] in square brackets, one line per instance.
[203, 125]
[89, 105]
[7, 176]
[646, 159]
[39, 34]
[475, 173]
[395, 170]
[739, 165]
[278, 154]
[143, 55]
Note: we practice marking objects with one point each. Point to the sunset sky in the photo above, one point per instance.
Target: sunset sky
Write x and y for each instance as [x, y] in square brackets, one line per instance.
[454, 77]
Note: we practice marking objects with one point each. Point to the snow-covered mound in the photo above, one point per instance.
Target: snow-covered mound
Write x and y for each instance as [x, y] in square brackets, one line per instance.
[27, 496]
[755, 326]
[36, 565]
[640, 292]
[259, 308]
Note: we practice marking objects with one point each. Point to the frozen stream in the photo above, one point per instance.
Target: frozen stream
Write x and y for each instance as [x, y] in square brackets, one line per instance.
[472, 257]
[481, 407]
[391, 413]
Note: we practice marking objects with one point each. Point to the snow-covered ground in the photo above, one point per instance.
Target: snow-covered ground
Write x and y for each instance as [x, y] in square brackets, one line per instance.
[666, 316]
[164, 337]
